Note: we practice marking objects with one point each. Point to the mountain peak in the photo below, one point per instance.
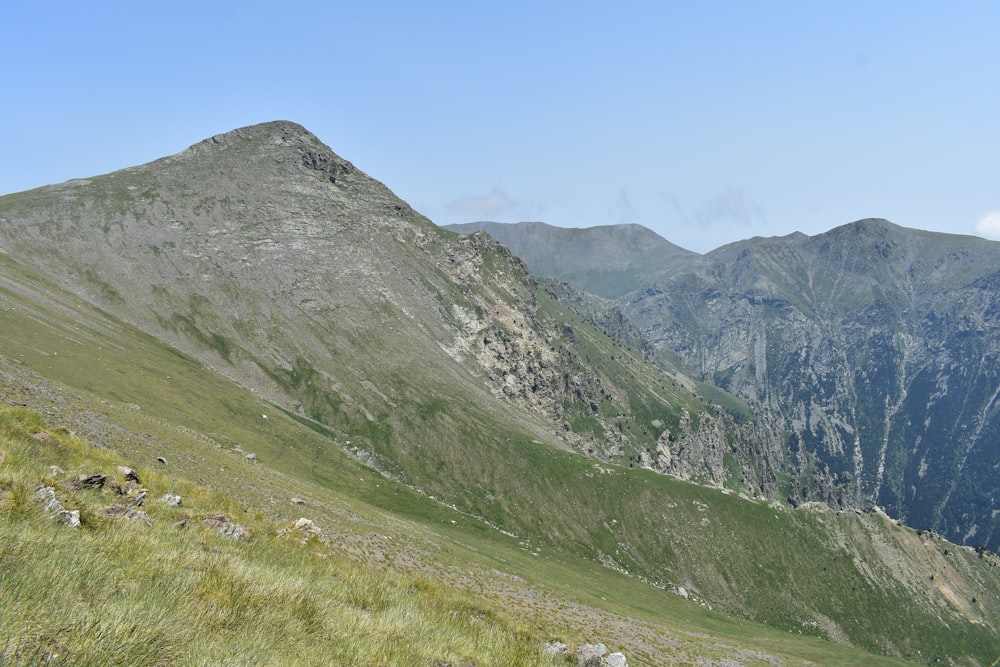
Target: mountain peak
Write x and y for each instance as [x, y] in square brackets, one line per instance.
[281, 132]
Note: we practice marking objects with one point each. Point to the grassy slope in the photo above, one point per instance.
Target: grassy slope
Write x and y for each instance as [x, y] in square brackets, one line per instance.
[195, 419]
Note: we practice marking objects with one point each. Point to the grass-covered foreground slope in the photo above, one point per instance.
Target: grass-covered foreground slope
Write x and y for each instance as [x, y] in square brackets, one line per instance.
[585, 535]
[161, 588]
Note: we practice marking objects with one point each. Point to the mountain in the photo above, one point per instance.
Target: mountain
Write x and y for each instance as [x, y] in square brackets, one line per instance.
[878, 347]
[608, 260]
[872, 345]
[258, 293]
[270, 258]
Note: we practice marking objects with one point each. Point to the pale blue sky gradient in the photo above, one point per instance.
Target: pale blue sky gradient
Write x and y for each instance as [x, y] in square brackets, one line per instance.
[707, 122]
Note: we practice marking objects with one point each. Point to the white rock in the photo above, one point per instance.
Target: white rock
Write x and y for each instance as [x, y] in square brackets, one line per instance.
[616, 660]
[171, 500]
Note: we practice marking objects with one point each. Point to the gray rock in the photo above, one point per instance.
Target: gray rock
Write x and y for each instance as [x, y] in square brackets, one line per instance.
[170, 500]
[308, 527]
[69, 518]
[225, 526]
[89, 481]
[129, 474]
[616, 659]
[139, 499]
[556, 649]
[129, 514]
[47, 496]
[589, 655]
[298, 501]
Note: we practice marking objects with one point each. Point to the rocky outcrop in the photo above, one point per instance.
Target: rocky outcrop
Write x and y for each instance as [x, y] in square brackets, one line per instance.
[46, 495]
[225, 526]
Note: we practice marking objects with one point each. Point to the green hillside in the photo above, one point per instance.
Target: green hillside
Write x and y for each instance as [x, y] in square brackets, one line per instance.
[441, 416]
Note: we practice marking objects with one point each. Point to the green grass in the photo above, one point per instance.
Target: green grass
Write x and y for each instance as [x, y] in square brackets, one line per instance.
[113, 593]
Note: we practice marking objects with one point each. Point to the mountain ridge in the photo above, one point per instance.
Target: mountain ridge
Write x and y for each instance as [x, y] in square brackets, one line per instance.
[439, 362]
[620, 257]
[855, 341]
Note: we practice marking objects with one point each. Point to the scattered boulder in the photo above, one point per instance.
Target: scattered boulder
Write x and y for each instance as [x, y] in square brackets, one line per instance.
[90, 481]
[298, 501]
[170, 500]
[47, 496]
[129, 474]
[161, 460]
[308, 527]
[225, 526]
[616, 659]
[589, 655]
[55, 471]
[139, 498]
[130, 514]
[557, 649]
[251, 456]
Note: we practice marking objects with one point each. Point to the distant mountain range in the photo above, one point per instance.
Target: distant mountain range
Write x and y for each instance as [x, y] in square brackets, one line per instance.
[875, 347]
[658, 435]
[608, 261]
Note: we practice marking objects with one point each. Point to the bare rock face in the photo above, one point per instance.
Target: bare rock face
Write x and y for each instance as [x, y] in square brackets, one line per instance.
[874, 347]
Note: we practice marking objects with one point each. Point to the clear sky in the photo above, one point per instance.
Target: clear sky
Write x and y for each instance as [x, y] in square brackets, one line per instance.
[707, 122]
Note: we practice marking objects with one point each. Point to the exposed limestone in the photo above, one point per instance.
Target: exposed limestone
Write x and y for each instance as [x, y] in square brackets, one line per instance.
[47, 496]
[170, 500]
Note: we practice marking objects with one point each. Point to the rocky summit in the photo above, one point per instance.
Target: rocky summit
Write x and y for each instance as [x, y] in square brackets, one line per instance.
[257, 315]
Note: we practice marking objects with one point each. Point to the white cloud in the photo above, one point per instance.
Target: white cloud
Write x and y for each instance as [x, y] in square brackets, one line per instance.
[989, 225]
[495, 201]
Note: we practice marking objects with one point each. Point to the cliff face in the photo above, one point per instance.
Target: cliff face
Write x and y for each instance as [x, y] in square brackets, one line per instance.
[877, 349]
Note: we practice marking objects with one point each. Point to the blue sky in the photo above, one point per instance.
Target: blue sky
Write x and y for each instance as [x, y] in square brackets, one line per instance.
[707, 122]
